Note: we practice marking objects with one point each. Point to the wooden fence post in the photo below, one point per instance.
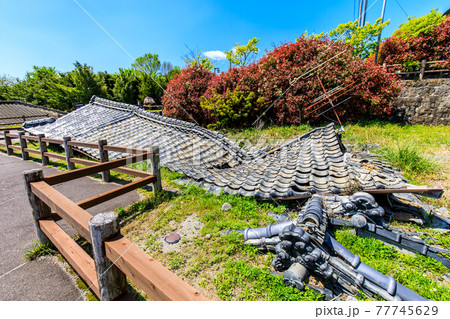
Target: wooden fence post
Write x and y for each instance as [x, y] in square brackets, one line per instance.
[106, 175]
[157, 186]
[422, 69]
[43, 149]
[9, 151]
[69, 153]
[23, 145]
[39, 210]
[111, 280]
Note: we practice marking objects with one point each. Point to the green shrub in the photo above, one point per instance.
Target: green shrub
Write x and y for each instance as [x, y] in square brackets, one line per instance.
[235, 109]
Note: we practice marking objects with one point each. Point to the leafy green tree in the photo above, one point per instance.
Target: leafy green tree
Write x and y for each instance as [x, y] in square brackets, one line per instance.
[40, 87]
[416, 27]
[364, 39]
[241, 55]
[85, 83]
[148, 63]
[126, 87]
[7, 84]
[108, 80]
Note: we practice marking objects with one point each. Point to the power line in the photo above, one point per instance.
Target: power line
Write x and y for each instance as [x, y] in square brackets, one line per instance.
[402, 9]
[133, 59]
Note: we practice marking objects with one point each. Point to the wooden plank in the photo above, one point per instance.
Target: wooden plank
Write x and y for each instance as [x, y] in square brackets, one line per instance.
[83, 161]
[52, 140]
[83, 144]
[101, 198]
[152, 277]
[73, 214]
[2, 144]
[127, 150]
[32, 150]
[80, 261]
[132, 172]
[54, 155]
[15, 147]
[85, 171]
[433, 192]
[12, 135]
[123, 170]
[30, 138]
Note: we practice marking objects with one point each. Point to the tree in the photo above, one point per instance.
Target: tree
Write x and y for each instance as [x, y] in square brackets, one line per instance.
[241, 55]
[126, 87]
[420, 26]
[166, 68]
[148, 63]
[192, 58]
[7, 88]
[85, 83]
[364, 40]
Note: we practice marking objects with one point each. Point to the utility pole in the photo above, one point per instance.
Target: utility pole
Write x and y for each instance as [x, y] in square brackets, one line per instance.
[379, 36]
[359, 12]
[363, 15]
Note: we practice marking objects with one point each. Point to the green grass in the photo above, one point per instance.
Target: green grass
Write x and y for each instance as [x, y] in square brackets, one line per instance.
[242, 281]
[410, 160]
[419, 273]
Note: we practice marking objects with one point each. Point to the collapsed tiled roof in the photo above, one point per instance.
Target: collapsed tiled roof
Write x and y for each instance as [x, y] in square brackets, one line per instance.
[17, 112]
[315, 162]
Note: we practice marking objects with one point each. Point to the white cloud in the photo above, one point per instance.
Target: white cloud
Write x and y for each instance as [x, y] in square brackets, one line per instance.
[215, 55]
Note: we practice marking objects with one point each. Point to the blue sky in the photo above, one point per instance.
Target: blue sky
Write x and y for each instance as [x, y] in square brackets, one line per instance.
[57, 32]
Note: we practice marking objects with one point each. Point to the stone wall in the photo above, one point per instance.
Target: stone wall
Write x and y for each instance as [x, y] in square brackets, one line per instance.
[423, 102]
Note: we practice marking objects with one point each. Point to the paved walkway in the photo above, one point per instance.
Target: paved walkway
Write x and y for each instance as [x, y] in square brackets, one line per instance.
[41, 279]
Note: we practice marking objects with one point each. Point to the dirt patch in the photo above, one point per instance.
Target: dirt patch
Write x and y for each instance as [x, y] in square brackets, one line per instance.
[188, 229]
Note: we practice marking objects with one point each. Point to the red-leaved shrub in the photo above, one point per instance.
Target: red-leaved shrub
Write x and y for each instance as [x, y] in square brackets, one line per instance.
[183, 93]
[284, 82]
[434, 46]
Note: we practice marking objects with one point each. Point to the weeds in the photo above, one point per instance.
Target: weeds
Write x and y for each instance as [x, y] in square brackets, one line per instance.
[242, 281]
[38, 249]
[409, 159]
[419, 273]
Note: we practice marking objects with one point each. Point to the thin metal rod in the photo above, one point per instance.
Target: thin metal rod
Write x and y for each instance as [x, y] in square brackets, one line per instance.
[379, 36]
[360, 12]
[363, 16]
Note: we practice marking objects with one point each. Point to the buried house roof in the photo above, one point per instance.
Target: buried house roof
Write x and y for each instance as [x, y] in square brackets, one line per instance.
[315, 162]
[17, 112]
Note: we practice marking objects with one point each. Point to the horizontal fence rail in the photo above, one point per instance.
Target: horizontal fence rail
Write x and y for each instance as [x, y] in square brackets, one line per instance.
[421, 72]
[114, 256]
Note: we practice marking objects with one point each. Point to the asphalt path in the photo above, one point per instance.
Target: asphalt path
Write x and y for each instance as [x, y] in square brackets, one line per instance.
[43, 278]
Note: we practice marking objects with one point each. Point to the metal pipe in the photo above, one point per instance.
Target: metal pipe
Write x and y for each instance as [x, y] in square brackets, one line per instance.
[360, 11]
[379, 36]
[363, 15]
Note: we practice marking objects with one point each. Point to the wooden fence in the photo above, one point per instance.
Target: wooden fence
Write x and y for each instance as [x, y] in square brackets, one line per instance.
[421, 72]
[114, 256]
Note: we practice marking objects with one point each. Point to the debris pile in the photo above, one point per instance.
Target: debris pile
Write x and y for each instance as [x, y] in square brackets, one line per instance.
[306, 246]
